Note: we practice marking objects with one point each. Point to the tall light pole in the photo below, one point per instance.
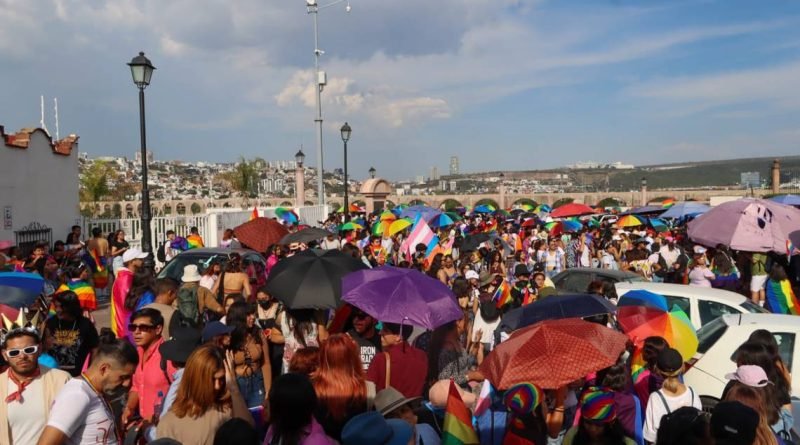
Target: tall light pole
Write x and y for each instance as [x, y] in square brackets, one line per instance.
[299, 179]
[644, 191]
[320, 80]
[346, 130]
[142, 71]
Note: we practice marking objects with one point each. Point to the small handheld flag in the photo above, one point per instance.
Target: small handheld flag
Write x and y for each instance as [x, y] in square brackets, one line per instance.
[457, 428]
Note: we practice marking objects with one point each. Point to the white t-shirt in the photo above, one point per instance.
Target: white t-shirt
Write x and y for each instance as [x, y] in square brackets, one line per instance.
[486, 327]
[656, 409]
[26, 419]
[79, 413]
[330, 244]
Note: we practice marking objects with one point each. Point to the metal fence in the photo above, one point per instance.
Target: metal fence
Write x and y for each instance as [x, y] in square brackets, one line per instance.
[29, 236]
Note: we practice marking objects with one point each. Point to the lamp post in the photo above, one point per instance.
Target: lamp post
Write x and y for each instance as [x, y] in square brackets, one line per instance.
[644, 191]
[299, 179]
[372, 172]
[312, 7]
[142, 71]
[502, 190]
[346, 130]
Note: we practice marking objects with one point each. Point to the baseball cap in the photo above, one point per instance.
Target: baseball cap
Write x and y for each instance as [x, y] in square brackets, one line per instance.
[133, 254]
[521, 269]
[669, 361]
[734, 423]
[183, 341]
[472, 275]
[750, 375]
[214, 329]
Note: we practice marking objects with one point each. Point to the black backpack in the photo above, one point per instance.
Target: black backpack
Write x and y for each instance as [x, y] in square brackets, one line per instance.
[161, 253]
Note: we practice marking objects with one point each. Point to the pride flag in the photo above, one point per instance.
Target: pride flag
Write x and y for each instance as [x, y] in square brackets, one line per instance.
[97, 268]
[194, 241]
[84, 291]
[502, 296]
[255, 214]
[781, 298]
[420, 234]
[457, 429]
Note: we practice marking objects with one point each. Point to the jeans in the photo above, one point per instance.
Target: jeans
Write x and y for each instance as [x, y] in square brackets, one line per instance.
[252, 388]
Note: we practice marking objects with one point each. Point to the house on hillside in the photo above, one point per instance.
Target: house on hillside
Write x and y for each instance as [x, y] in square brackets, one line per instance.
[38, 186]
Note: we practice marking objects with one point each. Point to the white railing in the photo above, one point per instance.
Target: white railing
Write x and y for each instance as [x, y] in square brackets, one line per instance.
[210, 225]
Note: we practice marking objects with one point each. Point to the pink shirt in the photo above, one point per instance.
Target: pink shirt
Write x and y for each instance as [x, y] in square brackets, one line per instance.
[150, 379]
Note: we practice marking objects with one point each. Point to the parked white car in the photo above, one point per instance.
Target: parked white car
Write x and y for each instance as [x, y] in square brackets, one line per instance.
[719, 339]
[701, 304]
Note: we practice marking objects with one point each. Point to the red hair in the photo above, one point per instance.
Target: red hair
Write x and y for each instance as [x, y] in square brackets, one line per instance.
[339, 381]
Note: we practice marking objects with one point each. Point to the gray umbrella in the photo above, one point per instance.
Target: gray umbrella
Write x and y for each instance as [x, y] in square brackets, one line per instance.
[305, 236]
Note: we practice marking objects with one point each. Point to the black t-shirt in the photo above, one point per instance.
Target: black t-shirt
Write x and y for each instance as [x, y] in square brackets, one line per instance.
[119, 244]
[368, 347]
[71, 342]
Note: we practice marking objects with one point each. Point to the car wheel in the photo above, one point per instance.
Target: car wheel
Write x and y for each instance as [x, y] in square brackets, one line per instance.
[708, 403]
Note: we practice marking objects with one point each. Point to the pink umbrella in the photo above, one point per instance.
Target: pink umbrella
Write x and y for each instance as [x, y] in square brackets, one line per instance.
[753, 225]
[572, 209]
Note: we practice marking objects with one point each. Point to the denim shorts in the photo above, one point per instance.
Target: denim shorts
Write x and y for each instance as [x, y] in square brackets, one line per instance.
[252, 388]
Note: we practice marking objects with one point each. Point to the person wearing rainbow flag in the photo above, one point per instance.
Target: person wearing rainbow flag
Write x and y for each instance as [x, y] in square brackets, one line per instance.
[194, 239]
[77, 281]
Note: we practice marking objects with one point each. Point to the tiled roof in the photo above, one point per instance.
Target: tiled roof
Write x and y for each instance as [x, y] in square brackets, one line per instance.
[22, 139]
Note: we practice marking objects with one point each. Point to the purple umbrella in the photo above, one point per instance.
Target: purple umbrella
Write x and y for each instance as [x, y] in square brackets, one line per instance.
[404, 296]
[753, 225]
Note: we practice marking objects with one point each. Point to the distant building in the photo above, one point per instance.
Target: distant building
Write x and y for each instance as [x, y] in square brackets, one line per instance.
[138, 157]
[453, 186]
[750, 179]
[443, 185]
[420, 179]
[590, 165]
[453, 165]
[282, 165]
[434, 173]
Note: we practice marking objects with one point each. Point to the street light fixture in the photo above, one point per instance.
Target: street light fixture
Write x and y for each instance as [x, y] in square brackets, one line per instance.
[299, 179]
[312, 7]
[372, 172]
[346, 131]
[300, 157]
[644, 181]
[142, 72]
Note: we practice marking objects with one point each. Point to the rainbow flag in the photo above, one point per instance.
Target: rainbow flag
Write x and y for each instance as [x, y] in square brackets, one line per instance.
[502, 296]
[99, 272]
[791, 249]
[99, 266]
[457, 429]
[84, 291]
[255, 214]
[781, 298]
[194, 241]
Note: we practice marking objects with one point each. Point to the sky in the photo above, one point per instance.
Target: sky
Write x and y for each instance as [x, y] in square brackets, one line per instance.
[502, 84]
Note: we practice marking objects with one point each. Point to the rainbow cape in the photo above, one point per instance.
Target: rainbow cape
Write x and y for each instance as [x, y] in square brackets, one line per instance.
[502, 296]
[781, 298]
[457, 429]
[99, 272]
[194, 241]
[84, 291]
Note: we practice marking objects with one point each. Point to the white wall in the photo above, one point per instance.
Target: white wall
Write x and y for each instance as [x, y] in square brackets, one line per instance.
[39, 186]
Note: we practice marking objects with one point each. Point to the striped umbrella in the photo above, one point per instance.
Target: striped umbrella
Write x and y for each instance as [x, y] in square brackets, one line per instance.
[398, 226]
[630, 221]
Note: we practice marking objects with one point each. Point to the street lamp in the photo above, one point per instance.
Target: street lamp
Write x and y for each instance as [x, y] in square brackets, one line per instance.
[644, 191]
[346, 130]
[142, 71]
[299, 179]
[312, 7]
[372, 172]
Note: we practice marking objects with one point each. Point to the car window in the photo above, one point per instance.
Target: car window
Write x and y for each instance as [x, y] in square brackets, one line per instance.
[709, 334]
[785, 342]
[709, 310]
[681, 302]
[577, 282]
[753, 308]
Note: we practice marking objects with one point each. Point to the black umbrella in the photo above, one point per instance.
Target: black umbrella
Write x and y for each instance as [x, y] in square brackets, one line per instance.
[471, 242]
[556, 307]
[305, 236]
[311, 279]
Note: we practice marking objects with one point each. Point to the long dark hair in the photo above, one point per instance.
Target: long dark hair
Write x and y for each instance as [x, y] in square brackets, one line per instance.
[752, 353]
[303, 323]
[143, 282]
[436, 264]
[292, 401]
[237, 319]
[652, 347]
[438, 338]
[70, 304]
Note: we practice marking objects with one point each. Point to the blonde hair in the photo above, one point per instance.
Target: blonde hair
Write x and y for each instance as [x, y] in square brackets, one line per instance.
[672, 382]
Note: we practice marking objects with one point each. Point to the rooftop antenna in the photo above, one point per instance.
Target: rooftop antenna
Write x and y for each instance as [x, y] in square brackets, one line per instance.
[42, 125]
[55, 106]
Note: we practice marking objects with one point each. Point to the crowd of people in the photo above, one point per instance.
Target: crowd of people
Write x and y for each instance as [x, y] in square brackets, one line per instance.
[215, 359]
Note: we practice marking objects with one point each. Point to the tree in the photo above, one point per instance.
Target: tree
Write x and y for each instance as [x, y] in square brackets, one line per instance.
[94, 182]
[196, 208]
[561, 202]
[610, 202]
[244, 178]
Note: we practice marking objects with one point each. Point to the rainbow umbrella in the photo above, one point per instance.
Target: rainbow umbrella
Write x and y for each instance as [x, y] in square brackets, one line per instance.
[526, 207]
[543, 208]
[287, 215]
[558, 227]
[398, 226]
[388, 216]
[454, 216]
[350, 226]
[641, 322]
[667, 203]
[658, 224]
[484, 208]
[629, 221]
[502, 213]
[441, 220]
[592, 223]
[380, 227]
[643, 298]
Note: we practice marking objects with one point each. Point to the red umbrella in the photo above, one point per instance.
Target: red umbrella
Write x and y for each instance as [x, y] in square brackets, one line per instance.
[552, 353]
[572, 209]
[260, 233]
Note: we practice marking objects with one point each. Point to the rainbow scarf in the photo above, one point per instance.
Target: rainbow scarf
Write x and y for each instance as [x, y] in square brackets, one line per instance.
[457, 429]
[84, 291]
[781, 298]
[502, 296]
[194, 241]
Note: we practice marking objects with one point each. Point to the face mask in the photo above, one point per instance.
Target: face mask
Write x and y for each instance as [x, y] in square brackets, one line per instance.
[265, 304]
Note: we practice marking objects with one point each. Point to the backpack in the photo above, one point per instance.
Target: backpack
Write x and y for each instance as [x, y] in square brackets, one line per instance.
[187, 304]
[161, 253]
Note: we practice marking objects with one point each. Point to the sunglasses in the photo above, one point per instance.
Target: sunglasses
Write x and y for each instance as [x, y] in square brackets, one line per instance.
[140, 327]
[360, 315]
[28, 350]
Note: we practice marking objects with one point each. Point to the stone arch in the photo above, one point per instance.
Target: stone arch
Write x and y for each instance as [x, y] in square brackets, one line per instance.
[180, 208]
[450, 204]
[487, 201]
[226, 205]
[524, 201]
[309, 203]
[417, 201]
[286, 204]
[389, 205]
[611, 201]
[129, 210]
[167, 209]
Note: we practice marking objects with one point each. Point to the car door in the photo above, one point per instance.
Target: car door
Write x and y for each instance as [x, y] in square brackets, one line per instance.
[710, 310]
